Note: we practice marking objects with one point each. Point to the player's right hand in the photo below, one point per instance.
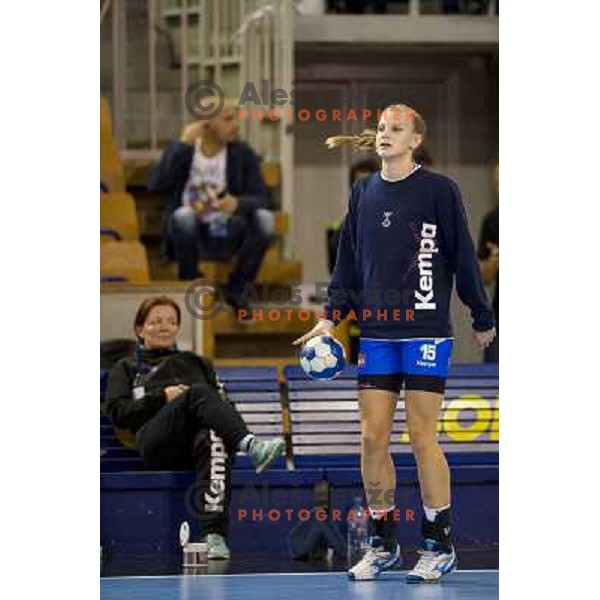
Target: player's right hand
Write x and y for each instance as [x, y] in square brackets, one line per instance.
[485, 338]
[321, 328]
[192, 132]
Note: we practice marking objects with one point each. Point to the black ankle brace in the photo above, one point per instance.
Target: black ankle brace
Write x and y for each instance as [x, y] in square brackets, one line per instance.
[438, 530]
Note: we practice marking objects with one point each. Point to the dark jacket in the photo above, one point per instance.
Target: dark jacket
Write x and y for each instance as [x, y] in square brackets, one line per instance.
[244, 176]
[135, 390]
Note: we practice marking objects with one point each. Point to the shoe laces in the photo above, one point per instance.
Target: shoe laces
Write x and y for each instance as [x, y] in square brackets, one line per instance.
[214, 538]
[372, 552]
[370, 556]
[427, 561]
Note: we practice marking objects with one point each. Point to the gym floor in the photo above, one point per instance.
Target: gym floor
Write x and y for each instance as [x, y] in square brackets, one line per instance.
[248, 576]
[460, 585]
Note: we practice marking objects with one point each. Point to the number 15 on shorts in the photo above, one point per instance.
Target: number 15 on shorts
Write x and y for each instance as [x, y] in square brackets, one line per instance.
[428, 357]
[428, 352]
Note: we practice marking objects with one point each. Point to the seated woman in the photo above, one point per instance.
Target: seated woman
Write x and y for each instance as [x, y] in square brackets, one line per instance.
[182, 418]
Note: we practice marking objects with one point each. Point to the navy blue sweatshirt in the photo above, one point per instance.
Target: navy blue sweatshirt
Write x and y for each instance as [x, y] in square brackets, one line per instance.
[402, 246]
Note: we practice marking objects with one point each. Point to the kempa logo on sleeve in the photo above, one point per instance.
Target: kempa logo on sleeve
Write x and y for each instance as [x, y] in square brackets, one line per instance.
[427, 249]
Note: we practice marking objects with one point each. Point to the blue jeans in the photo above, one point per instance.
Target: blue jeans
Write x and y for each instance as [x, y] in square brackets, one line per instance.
[249, 239]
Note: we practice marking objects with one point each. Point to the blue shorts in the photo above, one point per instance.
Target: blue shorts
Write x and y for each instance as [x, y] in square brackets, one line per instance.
[419, 364]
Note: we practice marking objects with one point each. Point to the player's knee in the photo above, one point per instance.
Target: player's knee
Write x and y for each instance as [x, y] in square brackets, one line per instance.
[421, 439]
[374, 443]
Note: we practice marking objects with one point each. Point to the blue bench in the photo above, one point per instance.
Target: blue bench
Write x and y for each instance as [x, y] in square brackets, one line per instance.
[141, 510]
[140, 513]
[257, 396]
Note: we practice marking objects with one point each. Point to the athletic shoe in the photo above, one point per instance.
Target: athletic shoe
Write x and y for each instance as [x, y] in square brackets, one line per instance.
[217, 547]
[375, 561]
[434, 563]
[263, 453]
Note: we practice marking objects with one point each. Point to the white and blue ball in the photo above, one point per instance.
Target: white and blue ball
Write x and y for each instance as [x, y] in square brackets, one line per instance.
[322, 358]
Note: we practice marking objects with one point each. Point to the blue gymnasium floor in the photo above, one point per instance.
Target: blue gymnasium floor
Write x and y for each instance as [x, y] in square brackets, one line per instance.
[460, 585]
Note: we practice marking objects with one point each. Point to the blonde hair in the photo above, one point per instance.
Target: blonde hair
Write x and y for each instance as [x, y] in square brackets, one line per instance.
[366, 139]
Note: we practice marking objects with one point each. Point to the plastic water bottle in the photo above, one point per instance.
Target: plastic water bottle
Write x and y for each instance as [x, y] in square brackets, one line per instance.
[219, 226]
[358, 533]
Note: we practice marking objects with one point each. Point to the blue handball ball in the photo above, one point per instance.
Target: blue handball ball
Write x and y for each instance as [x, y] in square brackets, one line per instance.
[322, 358]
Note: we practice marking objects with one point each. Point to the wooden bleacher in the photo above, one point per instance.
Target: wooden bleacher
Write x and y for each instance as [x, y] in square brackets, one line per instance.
[123, 261]
[123, 257]
[112, 173]
[118, 217]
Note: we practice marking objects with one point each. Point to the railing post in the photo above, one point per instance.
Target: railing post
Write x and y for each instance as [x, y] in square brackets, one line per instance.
[244, 70]
[266, 55]
[225, 36]
[217, 40]
[202, 34]
[119, 40]
[286, 138]
[254, 72]
[104, 9]
[184, 58]
[277, 48]
[152, 71]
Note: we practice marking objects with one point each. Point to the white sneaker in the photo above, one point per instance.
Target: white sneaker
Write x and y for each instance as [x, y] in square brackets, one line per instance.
[375, 561]
[433, 564]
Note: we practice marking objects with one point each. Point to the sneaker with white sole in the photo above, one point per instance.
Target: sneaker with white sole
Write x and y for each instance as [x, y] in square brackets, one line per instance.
[217, 547]
[375, 561]
[434, 563]
[264, 453]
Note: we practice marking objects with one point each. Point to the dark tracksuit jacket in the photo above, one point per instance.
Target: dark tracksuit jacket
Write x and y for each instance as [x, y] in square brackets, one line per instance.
[199, 429]
[402, 247]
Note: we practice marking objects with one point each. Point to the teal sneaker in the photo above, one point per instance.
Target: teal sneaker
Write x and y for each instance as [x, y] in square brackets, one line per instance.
[217, 547]
[263, 453]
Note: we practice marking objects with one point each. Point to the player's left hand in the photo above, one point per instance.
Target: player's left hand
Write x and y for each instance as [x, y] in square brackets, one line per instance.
[228, 204]
[485, 338]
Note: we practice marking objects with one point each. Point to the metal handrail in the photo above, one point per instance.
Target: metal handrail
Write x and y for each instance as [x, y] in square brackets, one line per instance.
[104, 9]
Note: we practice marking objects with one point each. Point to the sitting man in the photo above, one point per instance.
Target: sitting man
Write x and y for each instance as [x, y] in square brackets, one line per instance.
[220, 203]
